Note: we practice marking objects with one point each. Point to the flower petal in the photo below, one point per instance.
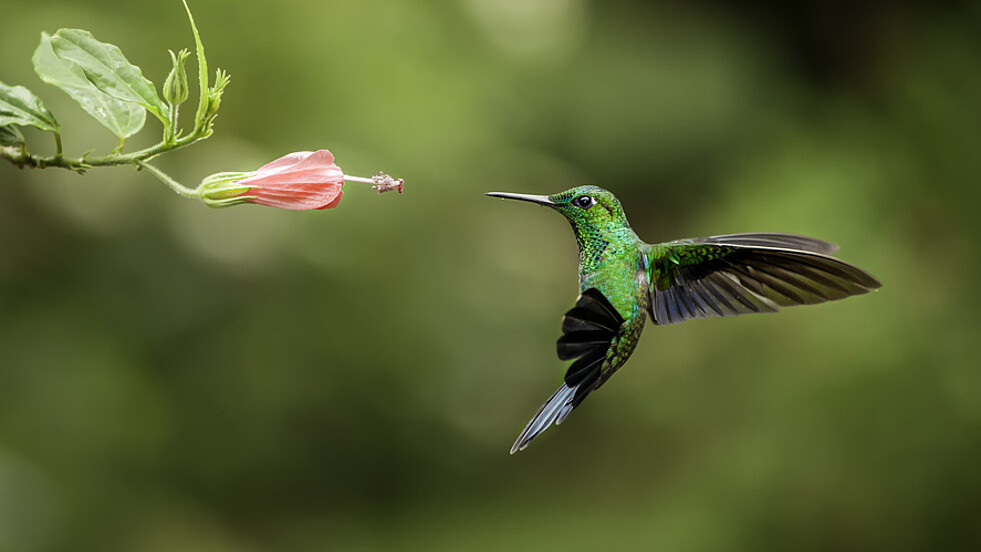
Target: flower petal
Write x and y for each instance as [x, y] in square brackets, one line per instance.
[285, 161]
[298, 160]
[333, 203]
[297, 199]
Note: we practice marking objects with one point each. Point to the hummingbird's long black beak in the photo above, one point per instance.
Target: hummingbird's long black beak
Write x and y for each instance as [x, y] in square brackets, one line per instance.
[539, 199]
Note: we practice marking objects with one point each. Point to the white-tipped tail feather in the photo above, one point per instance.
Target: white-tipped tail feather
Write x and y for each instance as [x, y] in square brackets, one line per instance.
[555, 409]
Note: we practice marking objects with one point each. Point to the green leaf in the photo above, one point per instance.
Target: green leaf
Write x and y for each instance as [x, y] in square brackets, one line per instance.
[19, 106]
[202, 70]
[10, 136]
[121, 117]
[107, 68]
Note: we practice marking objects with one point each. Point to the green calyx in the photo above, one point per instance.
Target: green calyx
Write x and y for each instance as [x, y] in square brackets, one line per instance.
[224, 190]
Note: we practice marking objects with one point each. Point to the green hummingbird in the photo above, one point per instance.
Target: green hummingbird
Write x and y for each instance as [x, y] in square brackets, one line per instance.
[622, 280]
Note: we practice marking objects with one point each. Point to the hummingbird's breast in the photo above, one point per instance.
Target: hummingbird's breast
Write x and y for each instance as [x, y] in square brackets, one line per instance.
[620, 272]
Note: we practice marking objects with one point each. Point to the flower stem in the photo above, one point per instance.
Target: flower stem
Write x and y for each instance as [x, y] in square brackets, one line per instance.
[174, 185]
[170, 133]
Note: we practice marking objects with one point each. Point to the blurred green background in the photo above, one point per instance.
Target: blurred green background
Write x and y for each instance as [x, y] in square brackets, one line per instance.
[179, 378]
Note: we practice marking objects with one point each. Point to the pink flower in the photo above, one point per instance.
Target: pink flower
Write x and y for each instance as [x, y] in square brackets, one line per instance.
[301, 180]
[297, 181]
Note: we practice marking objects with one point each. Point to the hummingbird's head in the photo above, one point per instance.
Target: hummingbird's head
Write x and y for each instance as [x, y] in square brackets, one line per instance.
[590, 209]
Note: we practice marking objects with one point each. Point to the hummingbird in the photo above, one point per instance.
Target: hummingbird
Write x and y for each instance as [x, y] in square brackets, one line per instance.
[623, 280]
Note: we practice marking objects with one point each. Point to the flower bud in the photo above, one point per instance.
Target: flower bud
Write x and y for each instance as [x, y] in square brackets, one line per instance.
[298, 181]
[214, 95]
[175, 89]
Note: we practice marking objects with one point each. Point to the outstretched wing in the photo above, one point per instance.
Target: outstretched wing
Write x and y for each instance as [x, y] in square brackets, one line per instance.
[747, 273]
[588, 331]
[770, 239]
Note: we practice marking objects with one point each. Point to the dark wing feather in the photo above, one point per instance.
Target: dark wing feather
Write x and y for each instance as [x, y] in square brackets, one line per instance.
[771, 239]
[588, 330]
[705, 277]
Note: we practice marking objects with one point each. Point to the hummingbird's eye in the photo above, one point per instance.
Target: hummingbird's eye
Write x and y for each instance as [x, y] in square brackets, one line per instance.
[584, 201]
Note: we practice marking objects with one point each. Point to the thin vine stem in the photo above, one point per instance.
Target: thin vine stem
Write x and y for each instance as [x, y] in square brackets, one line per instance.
[173, 184]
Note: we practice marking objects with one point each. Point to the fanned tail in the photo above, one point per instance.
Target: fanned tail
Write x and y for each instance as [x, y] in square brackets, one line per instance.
[588, 330]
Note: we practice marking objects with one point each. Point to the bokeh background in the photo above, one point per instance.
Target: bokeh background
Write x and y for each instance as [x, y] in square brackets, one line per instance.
[179, 378]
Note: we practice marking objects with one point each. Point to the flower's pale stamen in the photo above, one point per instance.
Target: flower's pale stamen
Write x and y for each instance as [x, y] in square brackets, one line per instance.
[381, 182]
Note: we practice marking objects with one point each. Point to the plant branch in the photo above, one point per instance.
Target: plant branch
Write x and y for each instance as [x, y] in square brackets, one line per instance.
[22, 158]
